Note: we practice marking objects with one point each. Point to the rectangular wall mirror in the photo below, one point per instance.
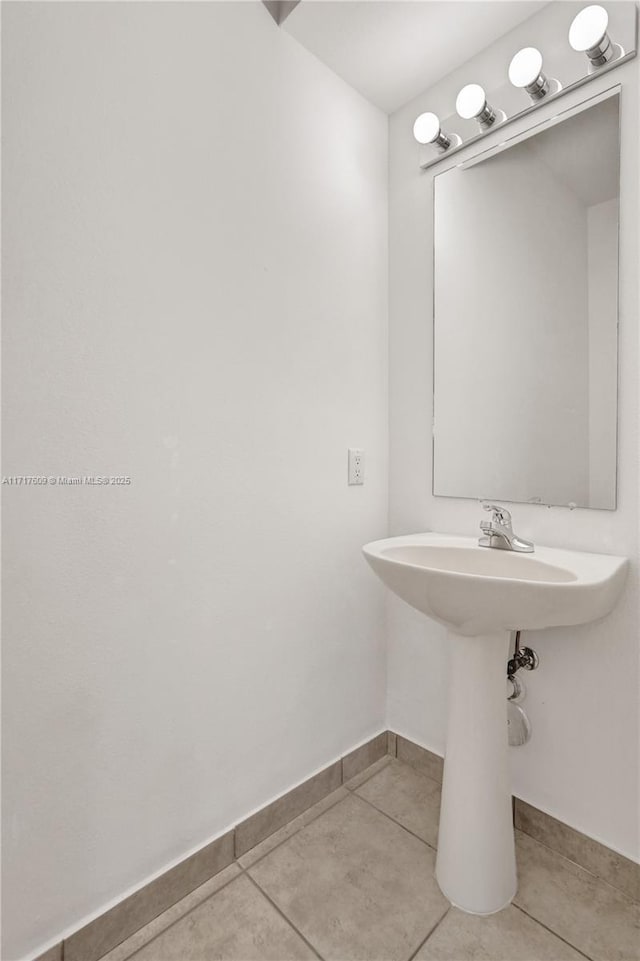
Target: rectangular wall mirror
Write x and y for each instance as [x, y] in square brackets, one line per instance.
[526, 315]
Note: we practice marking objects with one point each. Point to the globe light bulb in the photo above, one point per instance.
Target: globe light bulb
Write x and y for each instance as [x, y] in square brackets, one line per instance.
[426, 129]
[471, 103]
[525, 67]
[525, 71]
[588, 28]
[588, 34]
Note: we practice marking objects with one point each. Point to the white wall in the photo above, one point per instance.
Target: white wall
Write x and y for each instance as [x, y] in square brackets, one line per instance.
[195, 238]
[582, 762]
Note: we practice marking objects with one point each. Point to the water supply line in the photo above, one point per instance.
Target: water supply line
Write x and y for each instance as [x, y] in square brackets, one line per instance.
[517, 721]
[523, 657]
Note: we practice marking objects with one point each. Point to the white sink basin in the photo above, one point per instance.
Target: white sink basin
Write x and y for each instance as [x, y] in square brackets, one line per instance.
[474, 590]
[482, 594]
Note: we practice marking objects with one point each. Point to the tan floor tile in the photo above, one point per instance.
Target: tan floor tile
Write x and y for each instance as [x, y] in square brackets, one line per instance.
[590, 914]
[507, 936]
[291, 828]
[408, 796]
[237, 924]
[357, 886]
[173, 914]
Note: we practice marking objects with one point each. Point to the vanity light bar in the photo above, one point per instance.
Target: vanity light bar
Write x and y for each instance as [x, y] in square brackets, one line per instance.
[588, 34]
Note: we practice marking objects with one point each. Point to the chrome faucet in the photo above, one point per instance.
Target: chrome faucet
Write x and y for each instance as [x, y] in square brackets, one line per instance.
[498, 532]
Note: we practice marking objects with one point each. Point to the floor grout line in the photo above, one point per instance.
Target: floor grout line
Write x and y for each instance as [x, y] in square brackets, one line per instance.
[419, 771]
[282, 914]
[292, 835]
[369, 778]
[240, 867]
[337, 801]
[432, 931]
[564, 857]
[186, 914]
[432, 847]
[550, 930]
[352, 792]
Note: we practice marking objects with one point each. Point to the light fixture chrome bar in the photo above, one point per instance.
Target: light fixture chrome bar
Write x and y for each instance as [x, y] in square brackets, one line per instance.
[571, 73]
[497, 148]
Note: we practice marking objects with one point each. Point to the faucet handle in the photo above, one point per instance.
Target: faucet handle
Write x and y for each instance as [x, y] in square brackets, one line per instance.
[500, 514]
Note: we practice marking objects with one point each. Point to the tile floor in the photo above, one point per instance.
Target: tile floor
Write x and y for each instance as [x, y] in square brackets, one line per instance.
[352, 880]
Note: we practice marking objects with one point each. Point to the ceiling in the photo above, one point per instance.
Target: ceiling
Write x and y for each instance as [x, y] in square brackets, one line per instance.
[392, 50]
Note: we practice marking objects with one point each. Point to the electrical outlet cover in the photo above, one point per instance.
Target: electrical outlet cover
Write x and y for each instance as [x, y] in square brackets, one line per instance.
[356, 466]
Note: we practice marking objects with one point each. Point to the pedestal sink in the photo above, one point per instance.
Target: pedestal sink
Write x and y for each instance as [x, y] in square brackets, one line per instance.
[481, 595]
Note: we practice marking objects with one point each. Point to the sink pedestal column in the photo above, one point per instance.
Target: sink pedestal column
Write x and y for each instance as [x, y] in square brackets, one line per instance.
[476, 865]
